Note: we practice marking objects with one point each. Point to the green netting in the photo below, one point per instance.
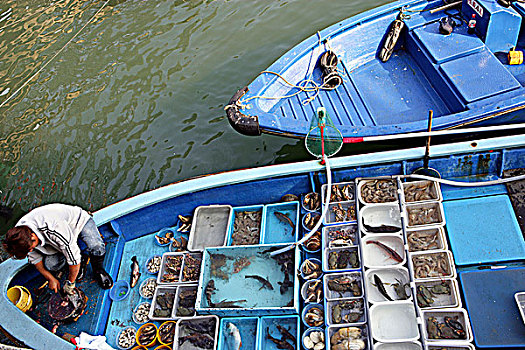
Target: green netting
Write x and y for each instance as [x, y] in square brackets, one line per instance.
[333, 140]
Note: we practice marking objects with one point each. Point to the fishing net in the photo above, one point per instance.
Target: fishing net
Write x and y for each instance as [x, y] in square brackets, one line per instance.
[323, 137]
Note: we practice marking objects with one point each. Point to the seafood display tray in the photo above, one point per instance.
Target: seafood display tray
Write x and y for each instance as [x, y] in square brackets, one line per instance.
[332, 330]
[413, 208]
[349, 191]
[335, 295]
[333, 256]
[349, 231]
[179, 332]
[380, 216]
[417, 244]
[375, 254]
[250, 209]
[238, 272]
[462, 317]
[450, 346]
[388, 276]
[449, 260]
[404, 328]
[440, 300]
[362, 182]
[433, 187]
[253, 331]
[413, 345]
[173, 314]
[183, 265]
[209, 226]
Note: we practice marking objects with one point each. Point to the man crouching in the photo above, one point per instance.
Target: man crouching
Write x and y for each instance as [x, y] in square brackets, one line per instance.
[48, 236]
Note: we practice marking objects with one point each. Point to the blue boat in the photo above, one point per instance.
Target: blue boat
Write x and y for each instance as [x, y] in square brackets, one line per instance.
[480, 238]
[464, 77]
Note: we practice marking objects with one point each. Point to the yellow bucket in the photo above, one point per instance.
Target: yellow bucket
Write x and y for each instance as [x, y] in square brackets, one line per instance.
[20, 296]
[515, 57]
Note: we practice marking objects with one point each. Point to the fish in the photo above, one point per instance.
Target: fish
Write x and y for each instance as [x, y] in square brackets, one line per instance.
[135, 272]
[391, 252]
[381, 229]
[233, 336]
[208, 291]
[284, 218]
[265, 283]
[228, 304]
[381, 287]
[281, 343]
[285, 334]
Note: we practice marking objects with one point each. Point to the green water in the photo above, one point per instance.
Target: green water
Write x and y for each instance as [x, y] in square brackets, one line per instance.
[135, 100]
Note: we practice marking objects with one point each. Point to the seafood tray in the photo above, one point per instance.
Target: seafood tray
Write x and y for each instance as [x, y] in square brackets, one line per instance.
[209, 227]
[340, 213]
[313, 244]
[247, 281]
[437, 329]
[345, 311]
[311, 201]
[426, 239]
[425, 215]
[394, 282]
[185, 299]
[376, 191]
[166, 332]
[246, 225]
[247, 327]
[313, 338]
[340, 236]
[313, 315]
[431, 265]
[343, 285]
[383, 251]
[380, 219]
[199, 332]
[415, 345]
[309, 220]
[341, 259]
[171, 273]
[422, 191]
[312, 291]
[354, 337]
[438, 293]
[162, 304]
[281, 223]
[268, 327]
[520, 301]
[385, 329]
[340, 192]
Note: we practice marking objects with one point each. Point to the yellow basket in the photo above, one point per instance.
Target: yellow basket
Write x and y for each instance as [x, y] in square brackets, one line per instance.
[140, 347]
[20, 296]
[139, 332]
[162, 347]
[158, 334]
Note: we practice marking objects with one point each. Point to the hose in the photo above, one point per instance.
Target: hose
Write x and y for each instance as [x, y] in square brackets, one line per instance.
[323, 214]
[463, 183]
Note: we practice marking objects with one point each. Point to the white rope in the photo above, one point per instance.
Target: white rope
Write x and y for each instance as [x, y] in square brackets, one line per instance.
[464, 183]
[52, 58]
[323, 214]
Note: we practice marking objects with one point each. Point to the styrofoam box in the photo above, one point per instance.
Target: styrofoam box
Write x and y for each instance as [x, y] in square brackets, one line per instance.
[177, 299]
[450, 346]
[438, 206]
[388, 276]
[450, 261]
[333, 295]
[439, 315]
[435, 191]
[441, 241]
[209, 227]
[375, 256]
[349, 208]
[520, 301]
[442, 300]
[161, 289]
[380, 214]
[339, 185]
[394, 322]
[364, 181]
[326, 253]
[178, 332]
[331, 330]
[331, 303]
[398, 346]
[352, 228]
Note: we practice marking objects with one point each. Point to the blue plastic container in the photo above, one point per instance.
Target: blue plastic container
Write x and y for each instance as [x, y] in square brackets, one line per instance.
[120, 290]
[247, 327]
[277, 230]
[162, 232]
[307, 308]
[260, 208]
[314, 260]
[307, 333]
[269, 324]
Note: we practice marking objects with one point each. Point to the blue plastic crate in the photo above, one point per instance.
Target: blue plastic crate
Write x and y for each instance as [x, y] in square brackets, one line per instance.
[489, 300]
[246, 208]
[269, 323]
[277, 231]
[247, 328]
[483, 230]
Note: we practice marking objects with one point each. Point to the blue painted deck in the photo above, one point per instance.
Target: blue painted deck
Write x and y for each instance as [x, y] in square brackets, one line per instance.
[457, 76]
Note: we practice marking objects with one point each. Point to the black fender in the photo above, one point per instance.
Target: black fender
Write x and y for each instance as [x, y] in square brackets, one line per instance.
[240, 122]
